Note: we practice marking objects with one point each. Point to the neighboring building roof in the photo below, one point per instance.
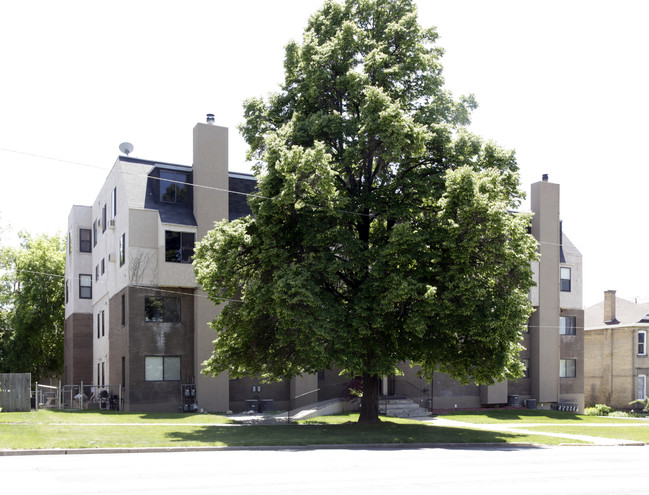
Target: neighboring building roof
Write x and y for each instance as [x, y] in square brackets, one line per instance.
[627, 313]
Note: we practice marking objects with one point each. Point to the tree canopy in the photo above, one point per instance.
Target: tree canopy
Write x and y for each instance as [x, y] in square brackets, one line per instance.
[382, 231]
[32, 306]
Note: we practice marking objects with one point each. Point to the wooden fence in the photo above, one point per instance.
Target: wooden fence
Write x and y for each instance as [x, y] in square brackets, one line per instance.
[15, 392]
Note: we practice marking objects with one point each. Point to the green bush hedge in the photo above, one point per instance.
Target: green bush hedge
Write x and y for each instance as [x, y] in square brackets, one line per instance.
[598, 410]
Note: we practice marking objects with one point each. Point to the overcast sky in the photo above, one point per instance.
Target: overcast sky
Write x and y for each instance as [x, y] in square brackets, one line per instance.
[561, 82]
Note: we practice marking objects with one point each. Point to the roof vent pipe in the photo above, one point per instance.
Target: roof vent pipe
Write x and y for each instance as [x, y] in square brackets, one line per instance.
[545, 177]
[210, 118]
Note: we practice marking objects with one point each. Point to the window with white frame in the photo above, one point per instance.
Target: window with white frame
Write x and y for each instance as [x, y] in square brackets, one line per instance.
[567, 368]
[85, 240]
[122, 249]
[566, 276]
[113, 204]
[642, 342]
[641, 393]
[568, 325]
[85, 286]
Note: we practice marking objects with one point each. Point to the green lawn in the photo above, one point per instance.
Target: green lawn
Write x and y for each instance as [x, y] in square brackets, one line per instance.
[496, 416]
[634, 432]
[49, 416]
[92, 429]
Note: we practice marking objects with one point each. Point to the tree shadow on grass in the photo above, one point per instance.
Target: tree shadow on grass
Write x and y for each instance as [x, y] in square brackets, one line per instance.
[343, 434]
[514, 414]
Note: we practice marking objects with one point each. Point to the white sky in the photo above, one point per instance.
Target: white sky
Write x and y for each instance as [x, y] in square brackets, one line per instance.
[562, 82]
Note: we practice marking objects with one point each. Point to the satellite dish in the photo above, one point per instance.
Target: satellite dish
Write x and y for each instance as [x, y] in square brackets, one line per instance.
[126, 148]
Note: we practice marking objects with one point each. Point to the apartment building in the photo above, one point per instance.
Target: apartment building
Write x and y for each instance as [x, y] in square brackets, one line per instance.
[137, 322]
[554, 338]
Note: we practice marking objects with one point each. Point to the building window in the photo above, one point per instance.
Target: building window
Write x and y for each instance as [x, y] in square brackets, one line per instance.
[565, 279]
[85, 286]
[103, 266]
[173, 187]
[103, 324]
[96, 273]
[122, 249]
[85, 240]
[123, 310]
[568, 325]
[162, 368]
[642, 387]
[98, 325]
[642, 343]
[103, 219]
[70, 242]
[113, 204]
[179, 246]
[567, 368]
[164, 309]
[67, 291]
[94, 233]
[103, 374]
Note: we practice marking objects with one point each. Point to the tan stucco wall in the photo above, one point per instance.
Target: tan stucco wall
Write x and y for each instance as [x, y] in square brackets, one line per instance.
[210, 204]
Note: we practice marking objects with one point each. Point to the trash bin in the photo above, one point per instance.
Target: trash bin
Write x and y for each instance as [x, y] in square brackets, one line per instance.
[266, 405]
[530, 403]
[512, 400]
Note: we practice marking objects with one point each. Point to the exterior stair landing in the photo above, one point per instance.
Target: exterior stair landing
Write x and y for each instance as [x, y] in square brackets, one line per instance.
[401, 408]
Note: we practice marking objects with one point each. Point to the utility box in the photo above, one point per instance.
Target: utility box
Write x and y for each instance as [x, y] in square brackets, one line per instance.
[266, 405]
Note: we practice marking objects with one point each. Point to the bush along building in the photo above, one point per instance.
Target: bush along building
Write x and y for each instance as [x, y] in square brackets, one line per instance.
[137, 324]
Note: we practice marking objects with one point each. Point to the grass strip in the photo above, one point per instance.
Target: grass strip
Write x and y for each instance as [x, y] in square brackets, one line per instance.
[637, 433]
[65, 431]
[44, 416]
[523, 416]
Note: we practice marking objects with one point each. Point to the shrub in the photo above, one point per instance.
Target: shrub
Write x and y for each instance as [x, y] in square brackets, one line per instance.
[639, 402]
[598, 410]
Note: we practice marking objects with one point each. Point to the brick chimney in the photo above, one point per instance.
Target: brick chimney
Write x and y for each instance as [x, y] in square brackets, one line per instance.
[609, 308]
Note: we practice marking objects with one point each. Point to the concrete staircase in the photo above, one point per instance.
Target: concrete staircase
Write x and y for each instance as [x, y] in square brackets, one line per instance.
[401, 408]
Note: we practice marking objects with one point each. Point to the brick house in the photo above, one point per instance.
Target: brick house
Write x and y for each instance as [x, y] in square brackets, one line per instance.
[615, 347]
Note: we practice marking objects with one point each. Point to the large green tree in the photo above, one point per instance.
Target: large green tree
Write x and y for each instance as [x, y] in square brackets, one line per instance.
[382, 231]
[32, 305]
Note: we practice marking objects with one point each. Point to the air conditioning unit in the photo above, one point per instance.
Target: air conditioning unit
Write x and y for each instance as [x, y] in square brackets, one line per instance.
[111, 224]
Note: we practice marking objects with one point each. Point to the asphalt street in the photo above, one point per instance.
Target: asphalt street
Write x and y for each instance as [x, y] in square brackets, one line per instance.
[573, 470]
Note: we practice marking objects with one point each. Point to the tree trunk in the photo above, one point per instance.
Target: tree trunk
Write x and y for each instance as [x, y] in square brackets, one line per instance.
[370, 400]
